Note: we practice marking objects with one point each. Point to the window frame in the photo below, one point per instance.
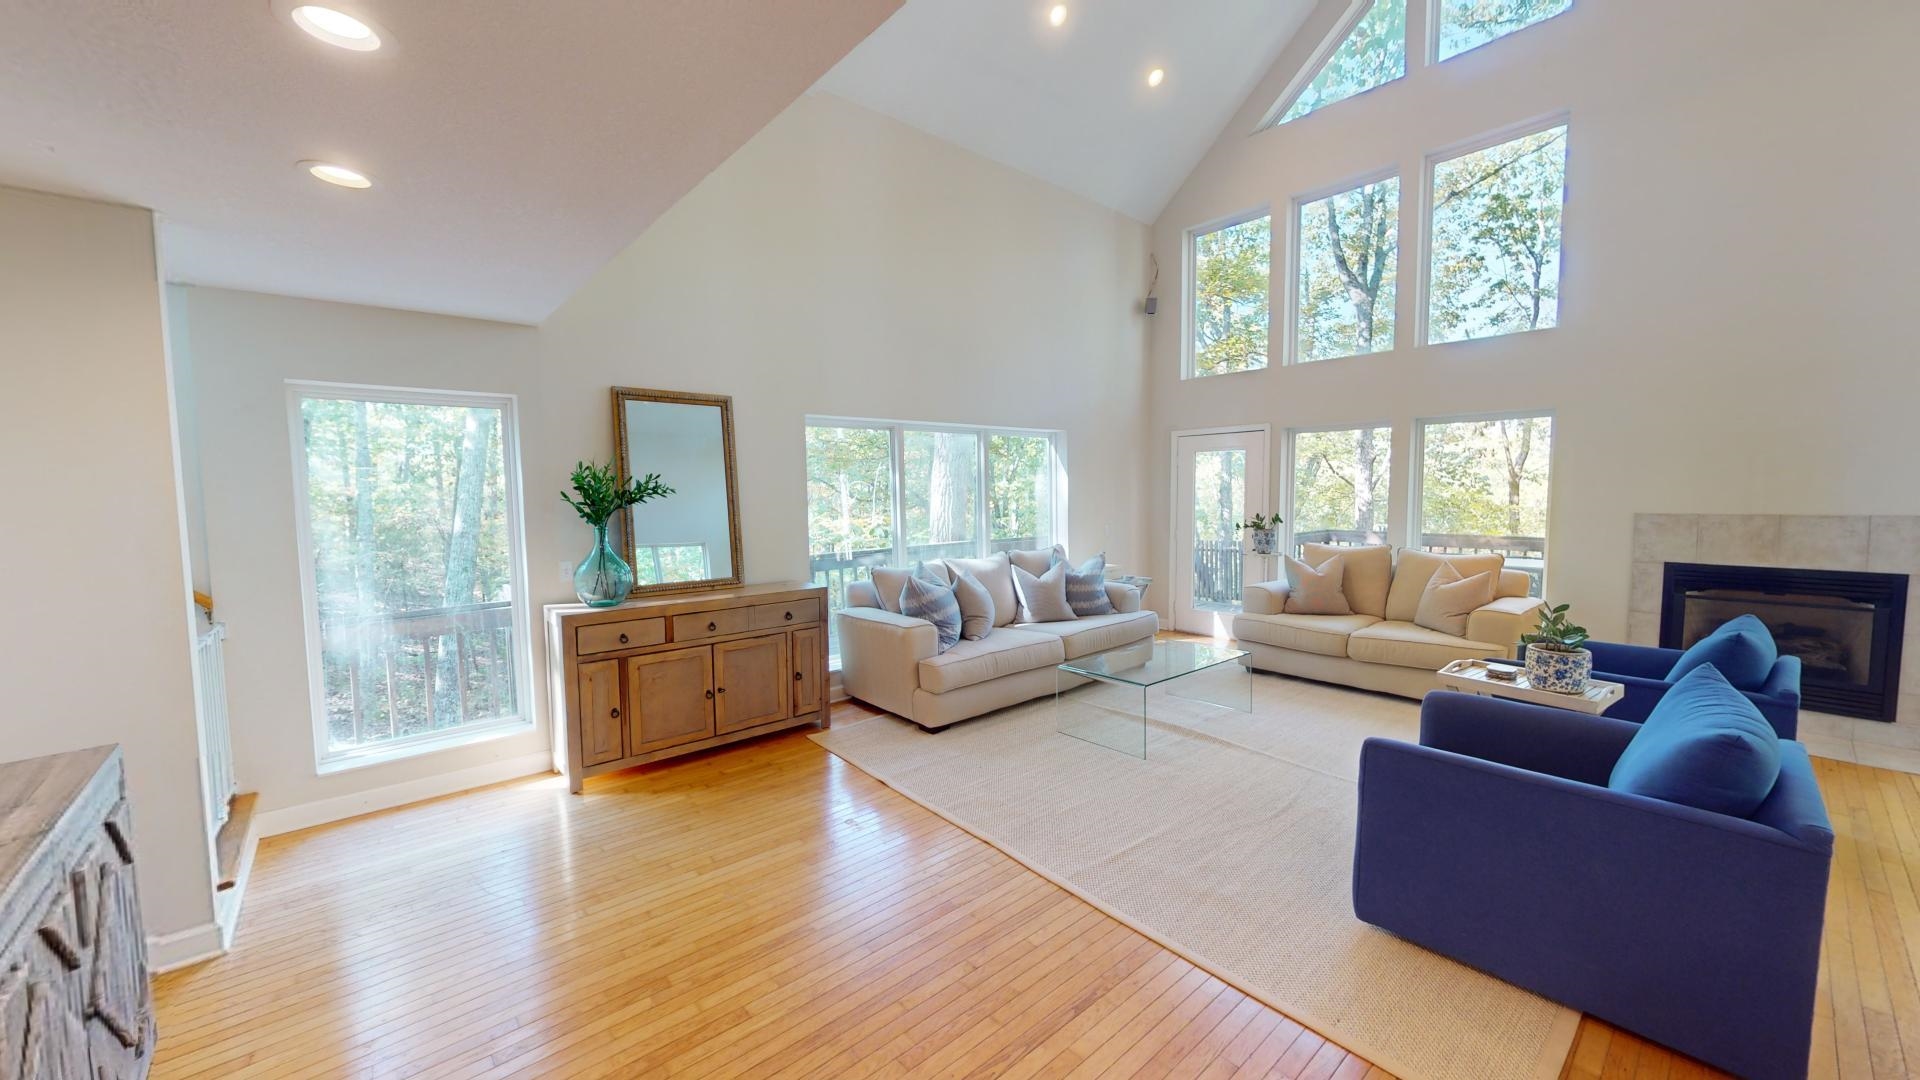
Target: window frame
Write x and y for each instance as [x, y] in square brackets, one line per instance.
[1056, 515]
[1423, 306]
[706, 557]
[1290, 350]
[1310, 71]
[1289, 460]
[1432, 55]
[326, 760]
[1417, 473]
[1190, 288]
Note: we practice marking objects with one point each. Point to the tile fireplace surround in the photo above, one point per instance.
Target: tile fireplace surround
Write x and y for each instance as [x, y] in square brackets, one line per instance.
[1880, 544]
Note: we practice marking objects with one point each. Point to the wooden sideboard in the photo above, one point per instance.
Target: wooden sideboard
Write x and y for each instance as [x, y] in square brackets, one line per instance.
[74, 998]
[654, 679]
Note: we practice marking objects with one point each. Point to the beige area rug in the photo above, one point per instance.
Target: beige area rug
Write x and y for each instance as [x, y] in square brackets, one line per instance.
[1231, 844]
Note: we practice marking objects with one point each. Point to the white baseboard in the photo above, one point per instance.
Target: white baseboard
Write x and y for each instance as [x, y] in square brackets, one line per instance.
[182, 947]
[288, 819]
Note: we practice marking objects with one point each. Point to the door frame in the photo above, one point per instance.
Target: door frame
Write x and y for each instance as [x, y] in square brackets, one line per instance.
[1265, 433]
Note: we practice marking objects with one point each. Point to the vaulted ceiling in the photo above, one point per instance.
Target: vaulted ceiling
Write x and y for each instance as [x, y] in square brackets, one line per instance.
[515, 145]
[1071, 104]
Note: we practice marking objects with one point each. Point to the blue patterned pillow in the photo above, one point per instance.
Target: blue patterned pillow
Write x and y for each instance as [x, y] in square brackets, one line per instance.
[1087, 588]
[923, 599]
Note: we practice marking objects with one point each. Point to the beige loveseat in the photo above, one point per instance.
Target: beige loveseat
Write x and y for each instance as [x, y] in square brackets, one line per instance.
[892, 661]
[1379, 647]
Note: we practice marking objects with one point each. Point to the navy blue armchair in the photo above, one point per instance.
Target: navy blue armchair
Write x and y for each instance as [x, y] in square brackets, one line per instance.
[1643, 671]
[1495, 841]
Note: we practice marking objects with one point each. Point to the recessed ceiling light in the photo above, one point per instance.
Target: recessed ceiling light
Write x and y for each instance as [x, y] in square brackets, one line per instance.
[1058, 15]
[336, 27]
[336, 174]
[1156, 77]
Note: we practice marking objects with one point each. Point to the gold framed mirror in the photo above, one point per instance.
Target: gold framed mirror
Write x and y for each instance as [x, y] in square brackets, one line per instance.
[690, 539]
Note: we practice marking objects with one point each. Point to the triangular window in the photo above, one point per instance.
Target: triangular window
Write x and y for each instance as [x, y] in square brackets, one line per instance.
[1373, 54]
[1469, 24]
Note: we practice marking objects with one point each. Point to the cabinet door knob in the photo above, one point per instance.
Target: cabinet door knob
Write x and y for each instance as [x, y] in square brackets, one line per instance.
[709, 695]
[711, 627]
[720, 689]
[799, 675]
[616, 714]
[789, 616]
[623, 639]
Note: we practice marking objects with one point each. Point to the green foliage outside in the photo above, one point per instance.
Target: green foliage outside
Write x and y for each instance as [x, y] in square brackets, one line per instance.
[849, 490]
[940, 490]
[1374, 53]
[1231, 267]
[406, 505]
[1469, 24]
[1496, 238]
[1219, 496]
[1020, 475]
[1348, 264]
[1341, 485]
[1486, 477]
[656, 565]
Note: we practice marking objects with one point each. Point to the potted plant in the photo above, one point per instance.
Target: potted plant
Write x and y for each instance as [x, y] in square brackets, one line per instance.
[1265, 529]
[1557, 659]
[603, 578]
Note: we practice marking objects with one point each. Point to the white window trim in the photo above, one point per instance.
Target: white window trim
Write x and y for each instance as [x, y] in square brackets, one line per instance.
[1287, 472]
[1290, 350]
[1417, 473]
[1423, 306]
[326, 760]
[1189, 287]
[1432, 51]
[1310, 71]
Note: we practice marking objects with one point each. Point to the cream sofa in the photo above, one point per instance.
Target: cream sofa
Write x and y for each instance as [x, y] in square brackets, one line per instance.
[1379, 647]
[891, 661]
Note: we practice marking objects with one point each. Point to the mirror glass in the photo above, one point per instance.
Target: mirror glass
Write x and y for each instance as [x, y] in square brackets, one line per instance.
[686, 537]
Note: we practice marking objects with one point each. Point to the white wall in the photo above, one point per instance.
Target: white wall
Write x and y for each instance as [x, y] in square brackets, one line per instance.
[1739, 239]
[839, 263]
[97, 647]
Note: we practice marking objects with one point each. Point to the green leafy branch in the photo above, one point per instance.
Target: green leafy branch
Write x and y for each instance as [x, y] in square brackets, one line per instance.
[1260, 521]
[601, 495]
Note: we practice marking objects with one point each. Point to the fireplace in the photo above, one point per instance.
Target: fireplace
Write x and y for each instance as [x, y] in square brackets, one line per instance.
[1844, 626]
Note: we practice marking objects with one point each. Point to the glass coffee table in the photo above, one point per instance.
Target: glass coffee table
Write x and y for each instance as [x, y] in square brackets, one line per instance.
[1107, 698]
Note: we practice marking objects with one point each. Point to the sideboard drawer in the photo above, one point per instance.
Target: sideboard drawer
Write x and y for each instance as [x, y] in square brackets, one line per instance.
[706, 624]
[613, 636]
[795, 614]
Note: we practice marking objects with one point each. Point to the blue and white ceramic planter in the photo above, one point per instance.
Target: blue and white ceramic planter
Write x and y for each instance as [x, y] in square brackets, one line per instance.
[1265, 541]
[1558, 672]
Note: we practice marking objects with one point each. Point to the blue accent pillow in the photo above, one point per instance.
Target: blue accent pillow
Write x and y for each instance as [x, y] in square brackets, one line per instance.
[1087, 588]
[1705, 745]
[934, 602]
[1742, 649]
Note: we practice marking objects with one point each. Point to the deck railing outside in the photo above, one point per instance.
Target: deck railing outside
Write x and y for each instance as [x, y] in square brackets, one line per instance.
[394, 676]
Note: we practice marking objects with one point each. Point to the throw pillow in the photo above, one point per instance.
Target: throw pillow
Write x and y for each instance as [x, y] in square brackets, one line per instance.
[1039, 560]
[1043, 598]
[1449, 598]
[923, 599]
[1087, 587]
[1742, 649]
[976, 605]
[1705, 746]
[1316, 590]
[996, 573]
[1365, 578]
[1412, 570]
[888, 580]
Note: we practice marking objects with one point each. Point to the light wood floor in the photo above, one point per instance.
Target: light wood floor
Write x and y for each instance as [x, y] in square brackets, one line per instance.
[769, 910]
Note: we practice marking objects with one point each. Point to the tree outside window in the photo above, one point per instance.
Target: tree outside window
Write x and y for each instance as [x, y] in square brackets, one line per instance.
[1484, 487]
[1373, 54]
[1341, 486]
[1469, 24]
[1496, 238]
[1231, 268]
[1349, 245]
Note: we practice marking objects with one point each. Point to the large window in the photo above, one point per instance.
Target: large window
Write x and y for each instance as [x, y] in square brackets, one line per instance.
[1484, 487]
[1468, 24]
[1373, 53]
[1231, 267]
[1343, 302]
[1340, 486]
[1496, 238]
[891, 494]
[409, 509]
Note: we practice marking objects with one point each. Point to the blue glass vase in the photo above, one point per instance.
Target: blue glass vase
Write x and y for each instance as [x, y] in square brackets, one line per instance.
[603, 578]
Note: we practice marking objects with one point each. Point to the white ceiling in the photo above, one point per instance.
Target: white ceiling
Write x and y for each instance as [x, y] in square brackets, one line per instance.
[1071, 105]
[516, 145]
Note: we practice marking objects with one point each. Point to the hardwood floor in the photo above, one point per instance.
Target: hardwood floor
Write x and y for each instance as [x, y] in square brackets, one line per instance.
[769, 910]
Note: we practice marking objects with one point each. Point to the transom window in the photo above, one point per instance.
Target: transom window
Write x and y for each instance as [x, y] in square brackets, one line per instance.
[882, 493]
[1372, 53]
[1485, 485]
[1348, 262]
[1495, 231]
[1231, 268]
[1460, 25]
[408, 509]
[1341, 490]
